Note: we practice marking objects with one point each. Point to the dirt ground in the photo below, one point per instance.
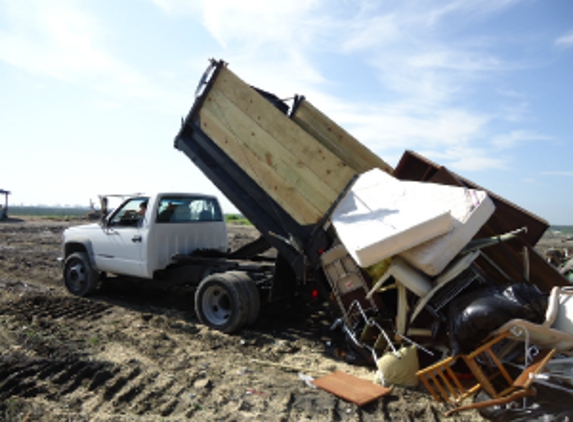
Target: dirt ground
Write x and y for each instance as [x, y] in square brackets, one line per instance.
[136, 352]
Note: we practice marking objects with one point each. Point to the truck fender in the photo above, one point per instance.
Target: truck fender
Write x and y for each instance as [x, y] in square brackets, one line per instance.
[79, 245]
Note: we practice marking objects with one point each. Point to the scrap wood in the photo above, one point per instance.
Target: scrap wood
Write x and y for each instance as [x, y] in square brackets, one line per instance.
[519, 394]
[520, 388]
[351, 388]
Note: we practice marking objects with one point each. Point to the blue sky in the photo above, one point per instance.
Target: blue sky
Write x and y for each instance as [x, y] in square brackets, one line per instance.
[92, 92]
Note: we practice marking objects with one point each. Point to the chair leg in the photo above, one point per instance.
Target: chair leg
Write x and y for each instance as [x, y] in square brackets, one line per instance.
[494, 402]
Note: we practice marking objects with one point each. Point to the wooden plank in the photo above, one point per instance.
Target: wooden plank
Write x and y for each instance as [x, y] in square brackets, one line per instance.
[356, 155]
[254, 150]
[524, 380]
[351, 388]
[309, 152]
[270, 153]
[285, 195]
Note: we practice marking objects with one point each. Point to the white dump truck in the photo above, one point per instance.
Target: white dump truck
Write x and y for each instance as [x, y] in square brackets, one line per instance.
[174, 238]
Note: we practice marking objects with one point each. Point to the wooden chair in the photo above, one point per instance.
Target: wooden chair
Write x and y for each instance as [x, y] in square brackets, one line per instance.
[520, 388]
[486, 367]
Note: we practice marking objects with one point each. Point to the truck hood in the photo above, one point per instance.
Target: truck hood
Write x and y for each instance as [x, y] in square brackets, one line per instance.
[84, 228]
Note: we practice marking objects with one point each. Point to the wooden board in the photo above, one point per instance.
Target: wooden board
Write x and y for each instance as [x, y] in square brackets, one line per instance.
[337, 140]
[307, 149]
[296, 170]
[286, 195]
[351, 388]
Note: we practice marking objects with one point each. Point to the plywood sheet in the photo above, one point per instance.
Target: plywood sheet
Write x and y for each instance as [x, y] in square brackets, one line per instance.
[337, 140]
[308, 150]
[271, 148]
[290, 196]
[351, 388]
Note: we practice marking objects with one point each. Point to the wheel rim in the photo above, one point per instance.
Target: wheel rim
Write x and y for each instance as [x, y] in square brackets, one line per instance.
[216, 305]
[76, 275]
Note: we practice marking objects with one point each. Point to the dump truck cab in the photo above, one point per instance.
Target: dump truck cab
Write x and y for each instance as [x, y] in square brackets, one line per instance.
[142, 237]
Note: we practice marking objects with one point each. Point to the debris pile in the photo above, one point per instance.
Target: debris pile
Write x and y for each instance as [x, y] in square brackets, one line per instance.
[424, 265]
[438, 283]
[562, 259]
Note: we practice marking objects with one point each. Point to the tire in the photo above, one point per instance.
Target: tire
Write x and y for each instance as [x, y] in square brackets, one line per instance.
[79, 276]
[221, 302]
[253, 297]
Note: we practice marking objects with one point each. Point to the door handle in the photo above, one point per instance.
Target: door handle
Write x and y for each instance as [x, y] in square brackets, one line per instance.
[136, 238]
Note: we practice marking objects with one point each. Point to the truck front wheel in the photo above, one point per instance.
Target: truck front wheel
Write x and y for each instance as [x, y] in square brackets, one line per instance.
[79, 276]
[221, 302]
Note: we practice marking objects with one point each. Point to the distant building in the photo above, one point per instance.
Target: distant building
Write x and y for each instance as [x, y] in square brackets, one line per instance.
[4, 208]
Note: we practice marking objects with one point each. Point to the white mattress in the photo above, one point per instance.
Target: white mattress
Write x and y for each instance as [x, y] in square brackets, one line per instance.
[470, 210]
[382, 216]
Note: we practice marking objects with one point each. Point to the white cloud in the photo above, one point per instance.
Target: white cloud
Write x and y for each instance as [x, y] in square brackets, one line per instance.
[465, 9]
[61, 40]
[565, 40]
[387, 128]
[558, 173]
[514, 112]
[472, 159]
[516, 137]
[364, 33]
[511, 93]
[258, 22]
[407, 52]
[177, 8]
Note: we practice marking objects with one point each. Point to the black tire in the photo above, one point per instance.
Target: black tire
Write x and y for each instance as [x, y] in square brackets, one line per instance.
[221, 302]
[79, 276]
[253, 297]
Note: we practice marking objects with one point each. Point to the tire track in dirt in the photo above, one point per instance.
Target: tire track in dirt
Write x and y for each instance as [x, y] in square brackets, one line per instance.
[56, 307]
[108, 387]
[102, 385]
[157, 367]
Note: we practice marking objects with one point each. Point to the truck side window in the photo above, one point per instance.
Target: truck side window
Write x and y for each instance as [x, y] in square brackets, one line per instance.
[205, 209]
[165, 211]
[188, 209]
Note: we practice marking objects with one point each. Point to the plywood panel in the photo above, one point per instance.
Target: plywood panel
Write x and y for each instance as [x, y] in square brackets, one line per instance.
[308, 151]
[337, 140]
[268, 162]
[286, 195]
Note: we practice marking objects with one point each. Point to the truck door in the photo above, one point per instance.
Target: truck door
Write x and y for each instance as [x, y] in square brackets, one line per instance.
[120, 247]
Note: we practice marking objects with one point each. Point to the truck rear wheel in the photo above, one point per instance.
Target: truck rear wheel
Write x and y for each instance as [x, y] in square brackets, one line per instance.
[223, 301]
[79, 276]
[253, 297]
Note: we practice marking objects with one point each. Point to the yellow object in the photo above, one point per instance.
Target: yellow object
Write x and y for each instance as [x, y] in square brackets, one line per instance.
[401, 371]
[377, 270]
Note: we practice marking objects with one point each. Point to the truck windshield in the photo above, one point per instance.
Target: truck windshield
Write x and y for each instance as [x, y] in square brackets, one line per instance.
[183, 209]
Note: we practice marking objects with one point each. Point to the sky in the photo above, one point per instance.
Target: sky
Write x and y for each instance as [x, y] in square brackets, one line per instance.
[92, 92]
